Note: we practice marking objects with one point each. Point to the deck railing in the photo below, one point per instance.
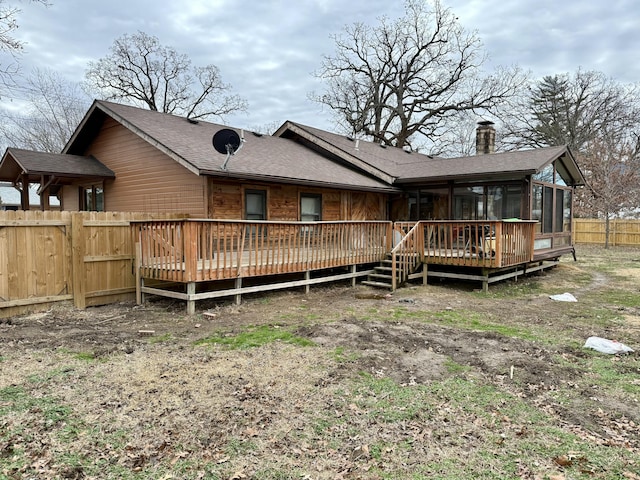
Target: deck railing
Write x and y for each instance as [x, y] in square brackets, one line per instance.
[407, 254]
[200, 250]
[488, 244]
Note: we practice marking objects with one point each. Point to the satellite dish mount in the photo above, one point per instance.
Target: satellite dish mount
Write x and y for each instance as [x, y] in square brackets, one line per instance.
[227, 141]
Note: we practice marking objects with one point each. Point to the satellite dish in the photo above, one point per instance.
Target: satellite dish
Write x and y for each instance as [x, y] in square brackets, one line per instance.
[226, 141]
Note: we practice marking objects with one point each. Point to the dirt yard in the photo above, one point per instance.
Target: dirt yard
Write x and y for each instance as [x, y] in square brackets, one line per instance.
[440, 381]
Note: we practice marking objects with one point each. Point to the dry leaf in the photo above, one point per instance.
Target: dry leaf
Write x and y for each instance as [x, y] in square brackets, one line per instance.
[563, 461]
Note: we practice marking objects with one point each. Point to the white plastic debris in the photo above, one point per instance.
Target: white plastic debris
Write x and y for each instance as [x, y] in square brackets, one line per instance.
[563, 297]
[603, 345]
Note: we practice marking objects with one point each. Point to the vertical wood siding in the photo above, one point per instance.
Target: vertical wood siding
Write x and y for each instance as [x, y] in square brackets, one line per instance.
[226, 202]
[146, 179]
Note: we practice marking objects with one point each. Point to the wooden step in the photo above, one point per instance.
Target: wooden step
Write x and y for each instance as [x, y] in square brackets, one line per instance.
[379, 276]
[387, 271]
[377, 284]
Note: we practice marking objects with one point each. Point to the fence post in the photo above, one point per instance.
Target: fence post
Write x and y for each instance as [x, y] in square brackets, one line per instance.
[77, 260]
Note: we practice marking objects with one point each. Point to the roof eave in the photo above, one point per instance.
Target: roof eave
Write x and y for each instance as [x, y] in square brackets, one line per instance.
[576, 172]
[296, 181]
[97, 105]
[484, 176]
[329, 147]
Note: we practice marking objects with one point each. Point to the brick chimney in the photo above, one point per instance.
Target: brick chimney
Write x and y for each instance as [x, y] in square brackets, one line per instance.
[485, 138]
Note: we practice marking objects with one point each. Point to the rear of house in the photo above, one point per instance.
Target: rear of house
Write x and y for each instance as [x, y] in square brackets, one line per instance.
[485, 212]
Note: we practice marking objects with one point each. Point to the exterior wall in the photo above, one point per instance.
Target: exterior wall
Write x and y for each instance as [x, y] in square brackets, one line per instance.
[149, 181]
[146, 179]
[70, 198]
[226, 201]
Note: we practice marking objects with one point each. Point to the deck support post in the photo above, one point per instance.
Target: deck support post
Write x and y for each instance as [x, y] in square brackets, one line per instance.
[354, 270]
[425, 273]
[191, 304]
[485, 281]
[238, 296]
[140, 286]
[307, 277]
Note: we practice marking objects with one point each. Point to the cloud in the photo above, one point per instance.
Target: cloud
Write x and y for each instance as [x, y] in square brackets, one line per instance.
[550, 37]
[268, 50]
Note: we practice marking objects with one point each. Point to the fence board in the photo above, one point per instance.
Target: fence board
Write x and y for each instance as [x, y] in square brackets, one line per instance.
[38, 265]
[622, 232]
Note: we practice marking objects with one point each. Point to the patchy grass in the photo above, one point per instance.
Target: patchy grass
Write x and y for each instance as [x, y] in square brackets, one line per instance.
[255, 337]
[167, 337]
[432, 382]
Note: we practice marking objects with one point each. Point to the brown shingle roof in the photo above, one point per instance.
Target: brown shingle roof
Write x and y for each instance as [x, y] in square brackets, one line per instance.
[261, 157]
[515, 163]
[17, 161]
[305, 155]
[411, 167]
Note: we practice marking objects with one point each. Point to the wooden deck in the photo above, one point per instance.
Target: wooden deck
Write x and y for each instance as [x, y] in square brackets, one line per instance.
[193, 251]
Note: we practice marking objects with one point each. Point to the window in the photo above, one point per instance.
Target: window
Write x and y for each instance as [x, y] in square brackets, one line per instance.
[536, 207]
[468, 203]
[551, 206]
[566, 215]
[434, 204]
[92, 198]
[310, 207]
[547, 210]
[503, 202]
[559, 224]
[546, 175]
[255, 204]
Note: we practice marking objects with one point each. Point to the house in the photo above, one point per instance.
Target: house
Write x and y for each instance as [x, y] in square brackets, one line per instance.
[534, 184]
[165, 163]
[486, 212]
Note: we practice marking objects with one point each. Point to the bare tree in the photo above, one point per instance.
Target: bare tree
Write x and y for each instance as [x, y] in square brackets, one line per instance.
[458, 138]
[10, 46]
[401, 81]
[268, 128]
[54, 109]
[612, 168]
[144, 72]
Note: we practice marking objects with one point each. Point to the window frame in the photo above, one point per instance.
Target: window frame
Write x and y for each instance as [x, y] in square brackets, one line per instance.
[96, 202]
[316, 197]
[258, 192]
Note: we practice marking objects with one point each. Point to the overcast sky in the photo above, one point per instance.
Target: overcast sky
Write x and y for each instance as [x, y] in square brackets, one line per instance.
[268, 49]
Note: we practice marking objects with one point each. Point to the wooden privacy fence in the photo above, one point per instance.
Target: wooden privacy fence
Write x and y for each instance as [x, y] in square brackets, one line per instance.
[54, 256]
[592, 231]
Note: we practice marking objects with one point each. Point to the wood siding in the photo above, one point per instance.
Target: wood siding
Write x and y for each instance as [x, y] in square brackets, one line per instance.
[226, 202]
[149, 181]
[146, 179]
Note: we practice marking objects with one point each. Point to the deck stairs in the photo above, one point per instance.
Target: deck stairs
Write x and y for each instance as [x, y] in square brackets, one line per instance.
[406, 256]
[383, 276]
